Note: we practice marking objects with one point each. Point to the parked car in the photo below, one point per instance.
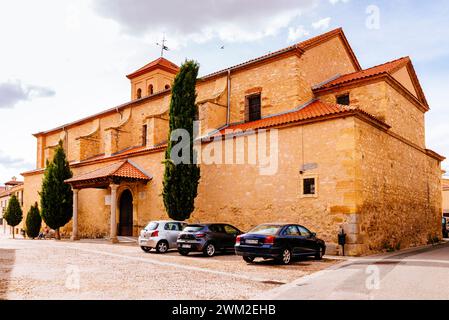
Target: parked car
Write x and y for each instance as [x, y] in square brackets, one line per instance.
[160, 235]
[281, 242]
[207, 238]
[445, 227]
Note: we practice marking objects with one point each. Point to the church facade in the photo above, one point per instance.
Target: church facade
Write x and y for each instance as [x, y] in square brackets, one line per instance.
[350, 150]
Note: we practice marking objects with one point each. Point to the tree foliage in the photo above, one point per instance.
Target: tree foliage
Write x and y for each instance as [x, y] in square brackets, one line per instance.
[13, 214]
[56, 195]
[33, 221]
[181, 180]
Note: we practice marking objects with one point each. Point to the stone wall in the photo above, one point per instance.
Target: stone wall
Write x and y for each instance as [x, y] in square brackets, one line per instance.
[383, 101]
[325, 61]
[238, 194]
[278, 82]
[398, 192]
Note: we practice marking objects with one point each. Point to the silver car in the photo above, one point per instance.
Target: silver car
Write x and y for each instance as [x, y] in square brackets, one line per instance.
[160, 235]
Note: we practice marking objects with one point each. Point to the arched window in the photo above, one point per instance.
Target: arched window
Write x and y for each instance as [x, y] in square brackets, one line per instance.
[139, 93]
[150, 89]
[167, 86]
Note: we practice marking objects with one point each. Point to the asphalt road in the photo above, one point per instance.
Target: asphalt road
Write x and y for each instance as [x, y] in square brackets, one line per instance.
[413, 274]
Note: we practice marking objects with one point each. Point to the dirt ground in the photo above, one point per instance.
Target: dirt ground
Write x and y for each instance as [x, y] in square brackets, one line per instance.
[95, 269]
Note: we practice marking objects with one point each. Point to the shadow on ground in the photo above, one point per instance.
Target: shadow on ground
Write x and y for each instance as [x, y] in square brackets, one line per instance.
[7, 258]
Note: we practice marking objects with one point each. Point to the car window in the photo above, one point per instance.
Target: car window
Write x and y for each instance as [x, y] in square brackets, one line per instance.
[266, 229]
[292, 231]
[230, 229]
[152, 226]
[304, 231]
[193, 228]
[172, 226]
[216, 228]
[181, 226]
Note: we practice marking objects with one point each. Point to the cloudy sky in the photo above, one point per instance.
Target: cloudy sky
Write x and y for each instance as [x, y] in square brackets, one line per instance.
[63, 60]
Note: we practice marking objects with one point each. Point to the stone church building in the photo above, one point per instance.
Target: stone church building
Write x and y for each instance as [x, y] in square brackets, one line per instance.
[351, 150]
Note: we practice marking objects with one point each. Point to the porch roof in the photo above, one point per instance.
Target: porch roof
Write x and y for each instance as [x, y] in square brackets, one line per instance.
[122, 171]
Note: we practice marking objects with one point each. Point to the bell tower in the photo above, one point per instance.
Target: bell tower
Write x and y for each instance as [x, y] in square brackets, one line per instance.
[152, 78]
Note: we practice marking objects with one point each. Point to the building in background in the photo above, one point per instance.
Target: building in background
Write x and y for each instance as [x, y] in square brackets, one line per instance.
[13, 187]
[445, 185]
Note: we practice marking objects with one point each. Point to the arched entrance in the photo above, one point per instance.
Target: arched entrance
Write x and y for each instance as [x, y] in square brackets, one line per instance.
[126, 214]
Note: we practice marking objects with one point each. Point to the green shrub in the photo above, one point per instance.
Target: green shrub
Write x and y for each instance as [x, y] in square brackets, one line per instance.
[33, 222]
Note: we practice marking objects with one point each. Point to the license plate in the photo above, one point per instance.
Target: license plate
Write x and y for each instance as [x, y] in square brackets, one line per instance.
[251, 241]
[186, 246]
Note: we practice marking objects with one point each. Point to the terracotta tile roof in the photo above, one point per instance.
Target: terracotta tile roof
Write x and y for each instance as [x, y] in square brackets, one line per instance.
[389, 67]
[121, 169]
[158, 63]
[13, 183]
[314, 110]
[4, 192]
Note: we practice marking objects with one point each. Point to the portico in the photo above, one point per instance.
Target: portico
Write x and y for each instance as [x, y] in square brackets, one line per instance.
[120, 174]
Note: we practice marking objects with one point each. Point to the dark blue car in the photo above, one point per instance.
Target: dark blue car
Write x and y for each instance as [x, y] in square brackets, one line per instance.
[281, 242]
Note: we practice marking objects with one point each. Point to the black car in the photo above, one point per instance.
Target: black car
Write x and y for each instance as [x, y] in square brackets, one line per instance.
[207, 238]
[281, 242]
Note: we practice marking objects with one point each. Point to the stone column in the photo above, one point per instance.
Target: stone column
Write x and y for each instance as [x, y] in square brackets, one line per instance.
[75, 216]
[114, 188]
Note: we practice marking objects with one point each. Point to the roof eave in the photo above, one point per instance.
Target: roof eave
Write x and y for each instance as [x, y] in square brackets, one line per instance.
[380, 76]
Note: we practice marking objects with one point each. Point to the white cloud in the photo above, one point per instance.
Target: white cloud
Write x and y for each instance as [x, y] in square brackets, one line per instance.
[322, 24]
[13, 92]
[333, 2]
[297, 33]
[14, 163]
[201, 21]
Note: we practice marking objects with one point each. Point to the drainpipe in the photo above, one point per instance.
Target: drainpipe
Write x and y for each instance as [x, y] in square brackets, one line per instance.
[228, 113]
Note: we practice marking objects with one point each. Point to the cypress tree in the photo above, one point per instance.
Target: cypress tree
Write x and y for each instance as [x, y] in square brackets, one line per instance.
[33, 221]
[56, 195]
[13, 214]
[181, 180]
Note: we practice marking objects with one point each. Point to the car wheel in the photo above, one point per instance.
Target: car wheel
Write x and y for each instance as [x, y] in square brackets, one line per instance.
[248, 259]
[286, 257]
[209, 250]
[319, 254]
[146, 249]
[183, 252]
[162, 246]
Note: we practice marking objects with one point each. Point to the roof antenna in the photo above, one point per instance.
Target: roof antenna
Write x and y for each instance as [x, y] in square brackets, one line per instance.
[163, 46]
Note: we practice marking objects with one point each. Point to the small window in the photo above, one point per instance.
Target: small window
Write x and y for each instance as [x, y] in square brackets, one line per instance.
[150, 89]
[343, 99]
[139, 93]
[144, 135]
[309, 186]
[167, 86]
[253, 108]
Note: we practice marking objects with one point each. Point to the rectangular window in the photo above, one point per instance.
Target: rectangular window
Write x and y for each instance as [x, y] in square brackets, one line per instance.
[253, 107]
[343, 99]
[309, 186]
[144, 135]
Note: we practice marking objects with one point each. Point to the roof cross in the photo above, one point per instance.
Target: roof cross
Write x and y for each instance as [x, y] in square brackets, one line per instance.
[163, 46]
